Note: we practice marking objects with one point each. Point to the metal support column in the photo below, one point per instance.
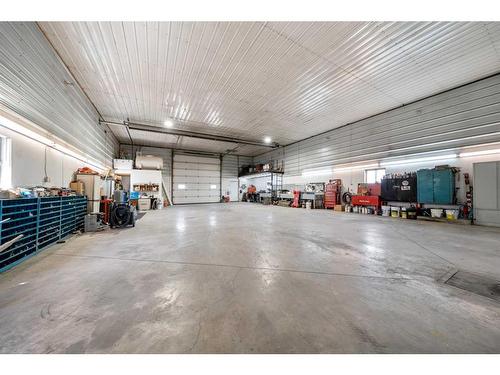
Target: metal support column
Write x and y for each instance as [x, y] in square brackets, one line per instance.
[172, 176]
[220, 177]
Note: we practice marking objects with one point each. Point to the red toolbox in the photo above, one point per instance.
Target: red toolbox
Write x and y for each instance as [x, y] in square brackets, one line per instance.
[366, 200]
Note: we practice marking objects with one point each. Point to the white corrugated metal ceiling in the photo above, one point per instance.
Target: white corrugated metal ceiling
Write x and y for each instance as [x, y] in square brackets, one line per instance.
[255, 79]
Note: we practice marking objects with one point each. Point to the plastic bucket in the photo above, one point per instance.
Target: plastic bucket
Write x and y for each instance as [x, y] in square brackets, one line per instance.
[395, 211]
[411, 214]
[436, 212]
[403, 213]
[386, 210]
[452, 214]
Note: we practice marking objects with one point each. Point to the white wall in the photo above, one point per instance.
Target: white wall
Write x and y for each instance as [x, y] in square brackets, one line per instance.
[28, 163]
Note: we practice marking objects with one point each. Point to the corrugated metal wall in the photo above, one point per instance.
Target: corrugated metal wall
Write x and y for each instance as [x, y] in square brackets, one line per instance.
[231, 163]
[468, 115]
[35, 84]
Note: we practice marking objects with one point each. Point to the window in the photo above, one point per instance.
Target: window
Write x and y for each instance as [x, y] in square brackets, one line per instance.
[181, 187]
[374, 175]
[5, 163]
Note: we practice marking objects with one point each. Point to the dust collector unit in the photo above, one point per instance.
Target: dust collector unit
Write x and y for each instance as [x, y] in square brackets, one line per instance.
[148, 162]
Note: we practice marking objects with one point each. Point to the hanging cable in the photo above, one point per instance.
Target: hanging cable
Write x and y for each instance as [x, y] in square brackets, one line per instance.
[45, 178]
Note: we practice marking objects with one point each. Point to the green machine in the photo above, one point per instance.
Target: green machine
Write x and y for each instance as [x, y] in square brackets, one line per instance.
[436, 186]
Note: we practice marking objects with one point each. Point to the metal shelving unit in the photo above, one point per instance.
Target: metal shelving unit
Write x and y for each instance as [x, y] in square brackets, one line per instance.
[41, 221]
[275, 177]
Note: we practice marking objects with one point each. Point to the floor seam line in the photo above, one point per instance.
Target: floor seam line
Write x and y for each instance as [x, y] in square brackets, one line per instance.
[236, 266]
[423, 247]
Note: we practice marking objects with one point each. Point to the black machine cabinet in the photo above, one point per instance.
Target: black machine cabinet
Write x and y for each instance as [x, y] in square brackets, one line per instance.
[399, 189]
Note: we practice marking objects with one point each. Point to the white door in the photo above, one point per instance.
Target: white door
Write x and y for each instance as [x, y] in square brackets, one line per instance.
[486, 200]
[233, 190]
[196, 179]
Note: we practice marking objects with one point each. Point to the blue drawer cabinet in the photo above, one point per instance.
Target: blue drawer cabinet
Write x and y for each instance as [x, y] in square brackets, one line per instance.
[436, 186]
[41, 221]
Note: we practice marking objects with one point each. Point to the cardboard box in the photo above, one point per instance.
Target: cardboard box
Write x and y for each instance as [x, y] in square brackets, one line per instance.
[78, 187]
[339, 207]
[7, 194]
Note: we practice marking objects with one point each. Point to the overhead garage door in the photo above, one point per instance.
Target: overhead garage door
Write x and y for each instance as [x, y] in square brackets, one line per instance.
[196, 179]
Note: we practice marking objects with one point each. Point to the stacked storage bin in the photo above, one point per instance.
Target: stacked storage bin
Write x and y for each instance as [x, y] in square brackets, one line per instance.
[41, 221]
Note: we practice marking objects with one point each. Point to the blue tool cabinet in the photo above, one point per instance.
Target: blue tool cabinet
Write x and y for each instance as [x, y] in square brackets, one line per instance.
[41, 221]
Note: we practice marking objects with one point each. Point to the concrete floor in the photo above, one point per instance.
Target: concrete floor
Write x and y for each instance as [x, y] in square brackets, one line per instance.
[246, 278]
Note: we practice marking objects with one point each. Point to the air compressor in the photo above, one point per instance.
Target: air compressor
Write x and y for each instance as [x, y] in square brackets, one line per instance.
[122, 213]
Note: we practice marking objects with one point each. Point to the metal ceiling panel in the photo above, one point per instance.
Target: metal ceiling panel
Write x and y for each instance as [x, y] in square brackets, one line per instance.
[35, 84]
[251, 79]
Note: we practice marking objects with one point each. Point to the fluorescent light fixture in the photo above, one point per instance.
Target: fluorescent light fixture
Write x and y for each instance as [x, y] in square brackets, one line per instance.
[318, 172]
[479, 153]
[9, 124]
[418, 160]
[213, 187]
[267, 139]
[18, 128]
[168, 123]
[181, 187]
[355, 167]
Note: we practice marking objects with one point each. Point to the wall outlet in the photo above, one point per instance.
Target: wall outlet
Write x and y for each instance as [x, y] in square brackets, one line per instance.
[46, 179]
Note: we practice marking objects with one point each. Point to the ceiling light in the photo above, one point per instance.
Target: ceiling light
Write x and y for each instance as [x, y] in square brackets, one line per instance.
[168, 123]
[479, 153]
[267, 139]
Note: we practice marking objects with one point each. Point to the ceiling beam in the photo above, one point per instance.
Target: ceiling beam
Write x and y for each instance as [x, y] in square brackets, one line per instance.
[187, 133]
[179, 149]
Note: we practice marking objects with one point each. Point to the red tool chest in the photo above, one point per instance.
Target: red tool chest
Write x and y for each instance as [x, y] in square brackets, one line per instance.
[332, 193]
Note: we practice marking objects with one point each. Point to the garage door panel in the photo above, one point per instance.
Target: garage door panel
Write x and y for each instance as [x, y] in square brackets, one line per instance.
[188, 200]
[200, 177]
[196, 179]
[203, 167]
[191, 172]
[196, 159]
